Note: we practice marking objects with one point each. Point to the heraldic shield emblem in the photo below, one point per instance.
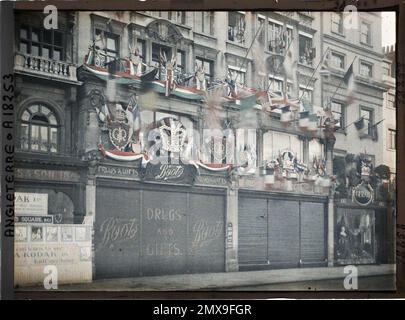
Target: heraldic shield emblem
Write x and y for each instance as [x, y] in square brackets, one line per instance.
[120, 134]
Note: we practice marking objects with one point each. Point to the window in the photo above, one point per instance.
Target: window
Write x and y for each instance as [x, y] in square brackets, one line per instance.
[157, 49]
[390, 100]
[141, 46]
[306, 94]
[238, 75]
[107, 42]
[274, 142]
[262, 34]
[306, 51]
[177, 16]
[338, 114]
[337, 23]
[338, 60]
[236, 27]
[391, 139]
[279, 37]
[208, 66]
[181, 60]
[367, 115]
[365, 33]
[43, 43]
[366, 69]
[204, 22]
[39, 129]
[276, 84]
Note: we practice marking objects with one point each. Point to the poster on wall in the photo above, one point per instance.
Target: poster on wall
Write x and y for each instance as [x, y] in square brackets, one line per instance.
[355, 236]
[31, 204]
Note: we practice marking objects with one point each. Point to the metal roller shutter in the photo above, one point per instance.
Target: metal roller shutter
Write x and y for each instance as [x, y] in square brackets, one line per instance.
[117, 233]
[252, 230]
[312, 233]
[284, 228]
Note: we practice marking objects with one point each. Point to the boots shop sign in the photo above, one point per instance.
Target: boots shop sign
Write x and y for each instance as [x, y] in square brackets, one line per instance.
[363, 194]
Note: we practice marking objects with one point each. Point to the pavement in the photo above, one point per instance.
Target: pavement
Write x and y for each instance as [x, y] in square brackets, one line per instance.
[380, 277]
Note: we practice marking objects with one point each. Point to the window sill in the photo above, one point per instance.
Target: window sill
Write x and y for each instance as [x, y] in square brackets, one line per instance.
[338, 34]
[205, 35]
[236, 44]
[306, 65]
[366, 44]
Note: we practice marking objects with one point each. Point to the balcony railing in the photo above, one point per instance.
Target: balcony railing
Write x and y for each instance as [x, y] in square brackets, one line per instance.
[41, 66]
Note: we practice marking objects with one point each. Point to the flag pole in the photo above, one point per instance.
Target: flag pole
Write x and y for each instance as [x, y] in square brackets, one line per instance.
[341, 80]
[313, 73]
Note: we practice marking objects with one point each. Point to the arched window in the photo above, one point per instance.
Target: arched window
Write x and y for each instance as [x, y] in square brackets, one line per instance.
[39, 130]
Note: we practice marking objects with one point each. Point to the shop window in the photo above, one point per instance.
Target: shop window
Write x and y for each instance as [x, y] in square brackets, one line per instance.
[39, 129]
[204, 22]
[39, 42]
[236, 27]
[366, 69]
[108, 44]
[365, 33]
[306, 51]
[338, 111]
[338, 60]
[337, 23]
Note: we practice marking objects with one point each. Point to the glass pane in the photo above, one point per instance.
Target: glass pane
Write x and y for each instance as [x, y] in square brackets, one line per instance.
[54, 139]
[48, 36]
[23, 33]
[34, 108]
[35, 141]
[111, 44]
[35, 35]
[46, 52]
[57, 41]
[44, 139]
[162, 115]
[24, 136]
[25, 116]
[52, 120]
[35, 50]
[45, 111]
[23, 47]
[57, 54]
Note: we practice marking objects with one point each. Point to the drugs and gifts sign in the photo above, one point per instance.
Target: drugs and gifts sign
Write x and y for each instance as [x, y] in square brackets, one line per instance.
[31, 204]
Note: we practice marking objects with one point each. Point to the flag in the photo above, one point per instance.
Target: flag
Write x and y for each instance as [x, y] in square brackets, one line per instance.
[286, 114]
[313, 123]
[349, 80]
[303, 121]
[325, 71]
[359, 124]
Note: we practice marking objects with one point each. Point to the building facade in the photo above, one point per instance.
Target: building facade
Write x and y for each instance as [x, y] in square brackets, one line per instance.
[245, 116]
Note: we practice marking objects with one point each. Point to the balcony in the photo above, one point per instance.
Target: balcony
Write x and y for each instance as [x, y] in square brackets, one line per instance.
[45, 68]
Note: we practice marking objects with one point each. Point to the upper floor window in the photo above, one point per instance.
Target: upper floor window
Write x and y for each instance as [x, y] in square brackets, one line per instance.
[109, 43]
[177, 16]
[392, 139]
[368, 118]
[338, 112]
[306, 94]
[276, 84]
[207, 65]
[306, 51]
[204, 22]
[337, 22]
[236, 27]
[365, 33]
[366, 69]
[338, 60]
[42, 43]
[39, 129]
[390, 100]
[181, 60]
[238, 75]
